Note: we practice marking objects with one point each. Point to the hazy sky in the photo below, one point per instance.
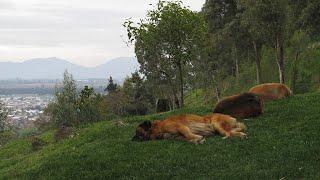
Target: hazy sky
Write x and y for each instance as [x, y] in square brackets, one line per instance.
[86, 32]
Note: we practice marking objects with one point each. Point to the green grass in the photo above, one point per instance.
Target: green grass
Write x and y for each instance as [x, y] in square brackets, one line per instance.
[283, 143]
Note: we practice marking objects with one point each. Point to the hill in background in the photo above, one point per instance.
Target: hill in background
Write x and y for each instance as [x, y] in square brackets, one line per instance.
[53, 68]
[283, 143]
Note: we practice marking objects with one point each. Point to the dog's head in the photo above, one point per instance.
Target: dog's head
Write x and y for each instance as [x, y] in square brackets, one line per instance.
[143, 132]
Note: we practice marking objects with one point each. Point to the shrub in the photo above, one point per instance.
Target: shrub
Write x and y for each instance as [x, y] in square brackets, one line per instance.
[37, 143]
[27, 132]
[6, 136]
[63, 132]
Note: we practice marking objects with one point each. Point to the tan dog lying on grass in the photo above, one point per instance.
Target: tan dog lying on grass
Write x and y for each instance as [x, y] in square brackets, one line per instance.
[271, 91]
[190, 127]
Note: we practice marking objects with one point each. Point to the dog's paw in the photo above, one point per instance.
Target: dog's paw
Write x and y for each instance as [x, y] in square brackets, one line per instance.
[243, 136]
[202, 141]
[225, 137]
[199, 140]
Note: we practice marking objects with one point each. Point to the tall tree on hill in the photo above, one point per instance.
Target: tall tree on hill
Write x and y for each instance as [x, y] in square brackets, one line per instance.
[167, 42]
[89, 104]
[64, 109]
[268, 20]
[310, 18]
[227, 40]
[252, 22]
[112, 87]
[140, 100]
[299, 44]
[218, 13]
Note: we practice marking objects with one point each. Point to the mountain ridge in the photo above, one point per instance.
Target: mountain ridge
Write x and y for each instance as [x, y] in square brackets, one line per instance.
[53, 68]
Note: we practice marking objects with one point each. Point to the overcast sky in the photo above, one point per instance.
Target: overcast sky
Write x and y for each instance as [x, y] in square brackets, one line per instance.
[85, 32]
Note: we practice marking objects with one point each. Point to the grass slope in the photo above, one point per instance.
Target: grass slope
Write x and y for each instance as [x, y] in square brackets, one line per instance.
[283, 143]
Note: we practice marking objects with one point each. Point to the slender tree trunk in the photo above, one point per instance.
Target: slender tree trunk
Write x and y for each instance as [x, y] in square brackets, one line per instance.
[257, 50]
[181, 85]
[175, 99]
[218, 94]
[294, 73]
[236, 62]
[280, 60]
[216, 88]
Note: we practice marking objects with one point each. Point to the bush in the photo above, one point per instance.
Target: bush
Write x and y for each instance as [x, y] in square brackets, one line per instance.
[6, 136]
[72, 109]
[63, 132]
[43, 123]
[37, 143]
[23, 133]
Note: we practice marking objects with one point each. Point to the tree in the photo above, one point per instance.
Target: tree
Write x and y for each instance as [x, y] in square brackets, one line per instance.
[267, 22]
[167, 42]
[251, 22]
[299, 43]
[89, 104]
[114, 103]
[64, 109]
[227, 42]
[218, 13]
[3, 116]
[112, 87]
[140, 100]
[309, 19]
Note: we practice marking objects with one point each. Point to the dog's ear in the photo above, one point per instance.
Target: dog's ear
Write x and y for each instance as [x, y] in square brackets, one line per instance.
[146, 125]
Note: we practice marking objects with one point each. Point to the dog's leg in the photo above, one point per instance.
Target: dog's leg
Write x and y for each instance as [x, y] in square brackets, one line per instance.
[186, 132]
[217, 126]
[234, 132]
[239, 128]
[238, 134]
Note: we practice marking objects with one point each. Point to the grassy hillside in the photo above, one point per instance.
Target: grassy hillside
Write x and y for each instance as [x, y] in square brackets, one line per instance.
[283, 143]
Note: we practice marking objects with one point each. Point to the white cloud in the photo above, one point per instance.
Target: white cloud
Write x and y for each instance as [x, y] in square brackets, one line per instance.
[82, 31]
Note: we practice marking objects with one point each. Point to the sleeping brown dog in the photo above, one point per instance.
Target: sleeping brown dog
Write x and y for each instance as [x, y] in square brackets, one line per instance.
[271, 91]
[190, 127]
[245, 105]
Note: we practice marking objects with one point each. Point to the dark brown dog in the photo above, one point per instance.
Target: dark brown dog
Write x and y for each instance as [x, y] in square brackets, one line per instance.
[244, 105]
[190, 127]
[271, 91]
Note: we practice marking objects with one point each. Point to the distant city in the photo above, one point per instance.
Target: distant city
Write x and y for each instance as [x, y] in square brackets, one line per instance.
[27, 99]
[25, 109]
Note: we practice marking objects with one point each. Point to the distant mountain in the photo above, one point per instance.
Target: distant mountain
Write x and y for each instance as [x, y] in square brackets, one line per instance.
[53, 68]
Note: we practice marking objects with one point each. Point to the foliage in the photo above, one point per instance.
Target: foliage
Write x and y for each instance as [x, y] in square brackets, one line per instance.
[140, 99]
[233, 46]
[63, 110]
[27, 132]
[166, 44]
[112, 87]
[88, 106]
[6, 136]
[73, 109]
[133, 98]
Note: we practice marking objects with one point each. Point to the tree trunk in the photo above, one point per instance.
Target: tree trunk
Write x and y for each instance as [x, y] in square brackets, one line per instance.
[257, 50]
[236, 62]
[294, 73]
[157, 100]
[172, 87]
[181, 104]
[217, 93]
[280, 60]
